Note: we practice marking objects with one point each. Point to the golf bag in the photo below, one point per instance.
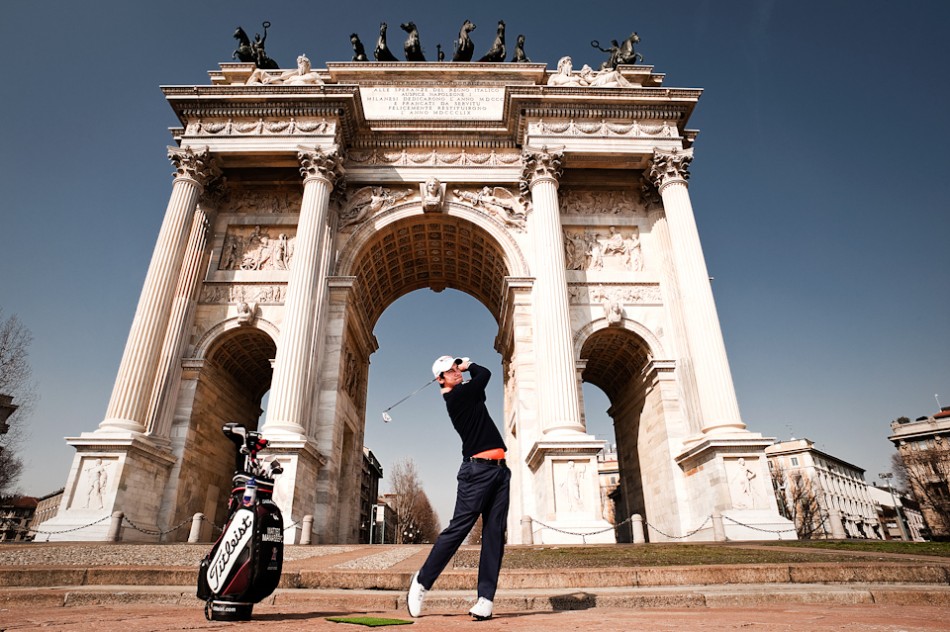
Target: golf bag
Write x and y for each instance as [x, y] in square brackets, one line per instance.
[245, 563]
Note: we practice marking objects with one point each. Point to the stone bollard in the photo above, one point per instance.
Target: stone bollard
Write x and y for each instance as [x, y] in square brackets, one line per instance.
[527, 535]
[719, 531]
[195, 534]
[636, 521]
[305, 529]
[115, 527]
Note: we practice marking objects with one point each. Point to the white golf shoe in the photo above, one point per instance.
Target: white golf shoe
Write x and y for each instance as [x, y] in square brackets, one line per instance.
[481, 610]
[416, 596]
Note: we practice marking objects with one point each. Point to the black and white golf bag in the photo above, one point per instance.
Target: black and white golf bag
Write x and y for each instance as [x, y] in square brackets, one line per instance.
[245, 563]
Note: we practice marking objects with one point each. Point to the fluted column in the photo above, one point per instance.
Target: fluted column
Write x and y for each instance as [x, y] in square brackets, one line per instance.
[719, 409]
[558, 395]
[306, 288]
[131, 395]
[164, 392]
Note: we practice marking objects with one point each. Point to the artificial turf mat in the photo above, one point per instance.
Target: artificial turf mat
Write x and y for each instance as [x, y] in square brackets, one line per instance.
[372, 622]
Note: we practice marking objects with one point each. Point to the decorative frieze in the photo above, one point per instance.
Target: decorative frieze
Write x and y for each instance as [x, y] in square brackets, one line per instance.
[624, 294]
[237, 293]
[603, 128]
[257, 202]
[256, 248]
[576, 201]
[431, 158]
[618, 250]
[247, 126]
[366, 202]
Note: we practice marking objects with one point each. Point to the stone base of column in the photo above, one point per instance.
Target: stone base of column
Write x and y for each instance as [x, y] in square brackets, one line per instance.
[109, 474]
[567, 485]
[728, 475]
[295, 490]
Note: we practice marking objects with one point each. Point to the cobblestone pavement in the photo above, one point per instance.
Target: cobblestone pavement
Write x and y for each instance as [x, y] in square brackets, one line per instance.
[810, 617]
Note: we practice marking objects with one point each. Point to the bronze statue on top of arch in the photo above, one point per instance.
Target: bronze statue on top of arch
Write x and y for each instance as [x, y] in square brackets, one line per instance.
[620, 53]
[248, 51]
[464, 48]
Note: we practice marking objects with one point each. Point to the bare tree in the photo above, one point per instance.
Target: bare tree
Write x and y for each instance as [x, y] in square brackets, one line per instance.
[798, 501]
[415, 519]
[926, 472]
[16, 382]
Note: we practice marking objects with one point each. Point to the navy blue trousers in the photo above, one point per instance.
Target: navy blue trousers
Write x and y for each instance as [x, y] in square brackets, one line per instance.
[483, 490]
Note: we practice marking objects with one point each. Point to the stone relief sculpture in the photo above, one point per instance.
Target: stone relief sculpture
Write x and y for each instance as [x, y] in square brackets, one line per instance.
[248, 52]
[366, 202]
[572, 486]
[433, 158]
[97, 476]
[639, 293]
[277, 201]
[301, 76]
[742, 485]
[586, 77]
[499, 203]
[433, 194]
[256, 250]
[464, 47]
[382, 52]
[588, 202]
[497, 51]
[412, 47]
[236, 293]
[591, 250]
[613, 308]
[246, 313]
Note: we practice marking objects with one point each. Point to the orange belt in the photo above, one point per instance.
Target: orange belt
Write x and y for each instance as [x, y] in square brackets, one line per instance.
[495, 454]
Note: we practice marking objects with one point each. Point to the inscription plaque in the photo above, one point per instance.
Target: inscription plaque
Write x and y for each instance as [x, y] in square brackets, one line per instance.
[436, 103]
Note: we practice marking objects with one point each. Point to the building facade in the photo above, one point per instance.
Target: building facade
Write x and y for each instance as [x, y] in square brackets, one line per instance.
[823, 495]
[924, 449]
[304, 202]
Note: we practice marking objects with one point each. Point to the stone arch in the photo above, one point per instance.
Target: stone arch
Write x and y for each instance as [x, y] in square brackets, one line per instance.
[233, 374]
[619, 361]
[462, 248]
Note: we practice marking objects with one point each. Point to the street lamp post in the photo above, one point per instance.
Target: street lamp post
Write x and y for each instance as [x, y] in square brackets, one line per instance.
[887, 476]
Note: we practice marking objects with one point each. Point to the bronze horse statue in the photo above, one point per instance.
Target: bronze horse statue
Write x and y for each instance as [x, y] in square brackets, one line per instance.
[248, 52]
[464, 47]
[382, 52]
[412, 47]
[626, 54]
[359, 53]
[519, 57]
[497, 50]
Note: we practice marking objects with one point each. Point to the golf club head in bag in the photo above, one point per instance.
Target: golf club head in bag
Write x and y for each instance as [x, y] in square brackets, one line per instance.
[245, 563]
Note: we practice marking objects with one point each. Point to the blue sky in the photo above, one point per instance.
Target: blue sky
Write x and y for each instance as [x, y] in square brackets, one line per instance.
[819, 185]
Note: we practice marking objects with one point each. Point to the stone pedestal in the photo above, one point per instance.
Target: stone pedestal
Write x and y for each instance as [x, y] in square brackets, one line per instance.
[295, 491]
[567, 490]
[126, 474]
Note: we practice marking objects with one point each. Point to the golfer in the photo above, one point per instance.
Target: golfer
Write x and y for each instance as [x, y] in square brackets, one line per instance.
[483, 484]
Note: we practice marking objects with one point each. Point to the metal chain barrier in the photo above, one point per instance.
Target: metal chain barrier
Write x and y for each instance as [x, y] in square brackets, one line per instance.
[749, 526]
[158, 532]
[680, 537]
[28, 530]
[583, 535]
[213, 525]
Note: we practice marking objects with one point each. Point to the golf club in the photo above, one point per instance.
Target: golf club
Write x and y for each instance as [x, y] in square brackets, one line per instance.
[387, 418]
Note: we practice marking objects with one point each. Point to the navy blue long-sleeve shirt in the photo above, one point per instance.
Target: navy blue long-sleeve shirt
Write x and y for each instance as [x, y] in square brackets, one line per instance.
[469, 415]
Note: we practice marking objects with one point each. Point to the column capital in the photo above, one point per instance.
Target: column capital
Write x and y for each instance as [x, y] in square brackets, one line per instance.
[541, 164]
[199, 165]
[321, 164]
[668, 167]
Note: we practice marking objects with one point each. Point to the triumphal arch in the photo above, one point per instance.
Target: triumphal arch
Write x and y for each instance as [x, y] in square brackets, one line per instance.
[306, 201]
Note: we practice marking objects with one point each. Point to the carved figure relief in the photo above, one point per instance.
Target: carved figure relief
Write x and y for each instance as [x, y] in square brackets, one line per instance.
[586, 77]
[641, 293]
[246, 313]
[587, 202]
[500, 203]
[240, 200]
[743, 486]
[613, 309]
[572, 485]
[238, 293]
[248, 248]
[433, 194]
[302, 75]
[96, 482]
[592, 250]
[367, 202]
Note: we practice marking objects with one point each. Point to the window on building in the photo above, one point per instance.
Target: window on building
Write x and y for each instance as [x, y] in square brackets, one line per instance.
[795, 460]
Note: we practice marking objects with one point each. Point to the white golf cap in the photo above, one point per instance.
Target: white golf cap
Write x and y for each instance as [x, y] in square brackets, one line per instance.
[444, 363]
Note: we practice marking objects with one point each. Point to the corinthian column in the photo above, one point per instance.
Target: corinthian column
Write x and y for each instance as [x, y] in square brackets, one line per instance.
[306, 288]
[129, 404]
[718, 407]
[558, 395]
